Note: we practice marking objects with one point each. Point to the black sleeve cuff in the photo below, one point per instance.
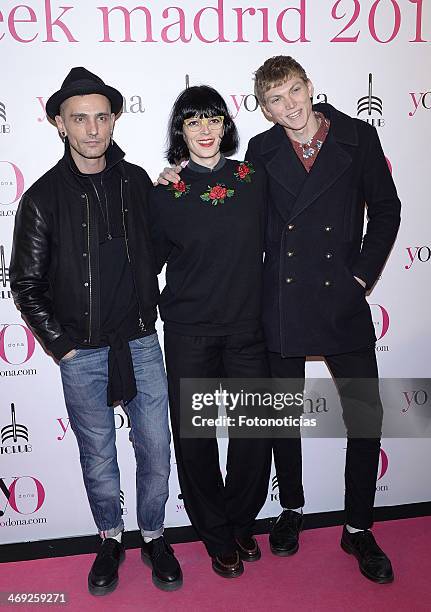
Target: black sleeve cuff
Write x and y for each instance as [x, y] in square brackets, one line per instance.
[60, 346]
[368, 278]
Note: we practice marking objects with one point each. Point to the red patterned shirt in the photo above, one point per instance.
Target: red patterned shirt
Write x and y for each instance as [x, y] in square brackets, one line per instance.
[307, 152]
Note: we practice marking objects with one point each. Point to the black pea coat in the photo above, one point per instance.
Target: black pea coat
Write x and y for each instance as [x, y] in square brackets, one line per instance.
[312, 305]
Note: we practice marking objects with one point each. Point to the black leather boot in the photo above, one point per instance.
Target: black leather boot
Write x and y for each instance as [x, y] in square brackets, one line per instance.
[103, 576]
[159, 555]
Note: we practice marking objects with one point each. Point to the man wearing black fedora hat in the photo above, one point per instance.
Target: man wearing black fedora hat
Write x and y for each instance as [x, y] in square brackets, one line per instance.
[82, 274]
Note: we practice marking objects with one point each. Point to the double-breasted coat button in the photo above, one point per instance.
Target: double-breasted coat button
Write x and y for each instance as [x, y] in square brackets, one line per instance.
[290, 253]
[84, 225]
[328, 283]
[84, 254]
[328, 255]
[328, 228]
[289, 280]
[82, 195]
[290, 227]
[85, 284]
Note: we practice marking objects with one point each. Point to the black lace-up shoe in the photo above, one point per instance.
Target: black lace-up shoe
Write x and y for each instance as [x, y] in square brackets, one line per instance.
[103, 576]
[248, 549]
[284, 536]
[159, 555]
[228, 566]
[373, 562]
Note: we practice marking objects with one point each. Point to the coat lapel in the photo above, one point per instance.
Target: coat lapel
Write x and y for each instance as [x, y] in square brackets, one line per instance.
[331, 163]
[284, 166]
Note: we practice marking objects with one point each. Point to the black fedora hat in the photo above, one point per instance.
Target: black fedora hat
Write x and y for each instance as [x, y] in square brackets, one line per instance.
[80, 82]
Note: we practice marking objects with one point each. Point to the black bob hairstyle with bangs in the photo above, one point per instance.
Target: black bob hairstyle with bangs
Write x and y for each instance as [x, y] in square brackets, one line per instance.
[198, 101]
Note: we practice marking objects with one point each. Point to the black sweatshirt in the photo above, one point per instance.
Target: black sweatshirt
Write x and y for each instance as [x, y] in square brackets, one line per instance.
[213, 249]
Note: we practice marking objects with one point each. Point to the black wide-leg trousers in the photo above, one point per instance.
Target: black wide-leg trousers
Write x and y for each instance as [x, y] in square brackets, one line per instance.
[218, 510]
[363, 449]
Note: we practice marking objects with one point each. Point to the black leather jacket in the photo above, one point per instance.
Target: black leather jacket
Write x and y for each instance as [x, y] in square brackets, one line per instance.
[54, 266]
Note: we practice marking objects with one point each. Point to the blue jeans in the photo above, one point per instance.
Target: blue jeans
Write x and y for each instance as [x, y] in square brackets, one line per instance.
[85, 378]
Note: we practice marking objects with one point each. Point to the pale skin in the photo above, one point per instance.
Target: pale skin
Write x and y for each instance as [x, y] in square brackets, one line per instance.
[290, 106]
[88, 123]
[197, 144]
[204, 145]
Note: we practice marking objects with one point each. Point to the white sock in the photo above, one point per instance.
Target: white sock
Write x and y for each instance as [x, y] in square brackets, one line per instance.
[116, 537]
[351, 529]
[298, 510]
[146, 540]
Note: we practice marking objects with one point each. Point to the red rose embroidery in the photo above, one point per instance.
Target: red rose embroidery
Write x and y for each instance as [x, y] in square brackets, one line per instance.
[179, 189]
[218, 193]
[180, 186]
[243, 170]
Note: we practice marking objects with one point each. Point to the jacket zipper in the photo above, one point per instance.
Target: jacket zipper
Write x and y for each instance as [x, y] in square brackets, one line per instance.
[90, 310]
[108, 229]
[141, 323]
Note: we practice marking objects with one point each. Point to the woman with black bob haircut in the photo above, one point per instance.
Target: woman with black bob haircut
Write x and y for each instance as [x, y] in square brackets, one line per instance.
[208, 227]
[201, 101]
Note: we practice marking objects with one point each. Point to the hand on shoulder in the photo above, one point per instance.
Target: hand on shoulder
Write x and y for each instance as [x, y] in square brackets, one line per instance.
[169, 175]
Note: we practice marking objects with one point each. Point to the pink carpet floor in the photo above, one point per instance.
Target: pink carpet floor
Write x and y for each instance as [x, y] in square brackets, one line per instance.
[321, 577]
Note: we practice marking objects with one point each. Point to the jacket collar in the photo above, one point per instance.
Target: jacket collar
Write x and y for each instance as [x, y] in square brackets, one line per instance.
[203, 169]
[343, 129]
[114, 155]
[333, 160]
